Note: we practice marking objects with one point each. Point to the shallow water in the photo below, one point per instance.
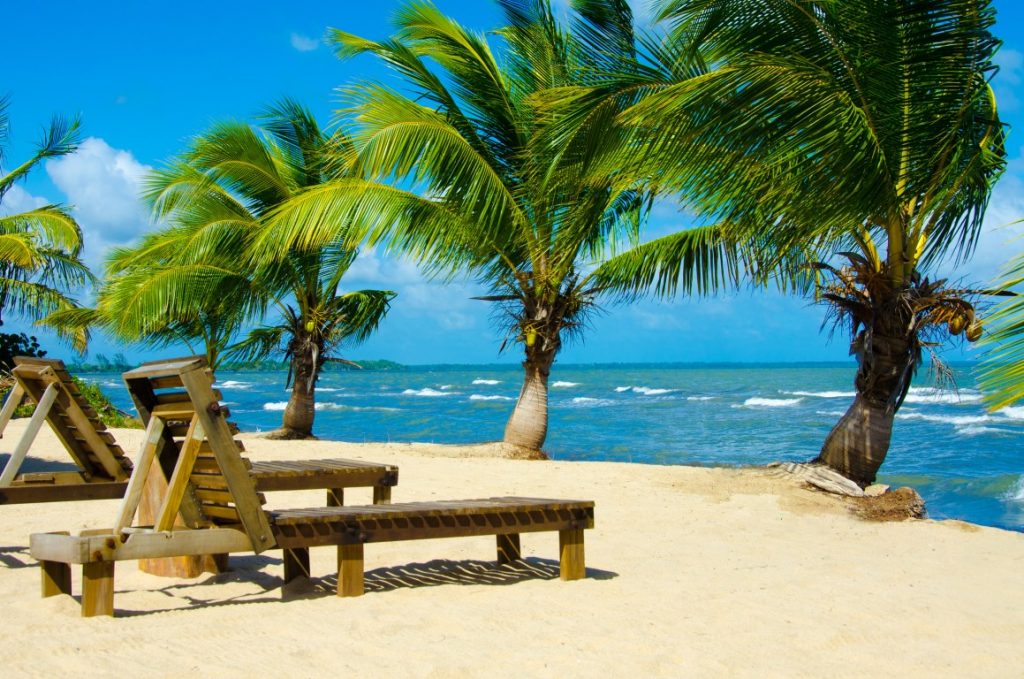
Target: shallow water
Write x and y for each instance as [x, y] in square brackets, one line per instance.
[965, 461]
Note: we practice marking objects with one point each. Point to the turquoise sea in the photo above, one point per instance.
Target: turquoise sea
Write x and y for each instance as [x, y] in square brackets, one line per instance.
[964, 460]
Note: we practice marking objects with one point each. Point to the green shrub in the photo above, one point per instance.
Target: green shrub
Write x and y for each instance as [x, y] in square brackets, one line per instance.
[109, 415]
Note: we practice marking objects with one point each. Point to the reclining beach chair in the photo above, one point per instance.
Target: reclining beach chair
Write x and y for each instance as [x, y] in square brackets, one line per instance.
[103, 469]
[210, 487]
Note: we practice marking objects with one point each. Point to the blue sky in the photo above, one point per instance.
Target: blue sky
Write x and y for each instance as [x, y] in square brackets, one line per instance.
[147, 76]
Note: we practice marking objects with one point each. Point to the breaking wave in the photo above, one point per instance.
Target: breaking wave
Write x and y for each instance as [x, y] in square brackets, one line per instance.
[564, 385]
[758, 402]
[481, 397]
[933, 395]
[482, 381]
[823, 394]
[645, 391]
[426, 391]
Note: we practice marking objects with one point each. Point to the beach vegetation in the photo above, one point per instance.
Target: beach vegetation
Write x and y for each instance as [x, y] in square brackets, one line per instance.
[455, 170]
[852, 146]
[40, 247]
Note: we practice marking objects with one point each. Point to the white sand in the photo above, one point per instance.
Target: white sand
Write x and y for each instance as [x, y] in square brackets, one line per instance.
[692, 572]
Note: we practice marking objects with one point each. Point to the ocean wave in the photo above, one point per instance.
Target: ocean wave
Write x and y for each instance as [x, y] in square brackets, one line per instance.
[426, 391]
[590, 402]
[701, 398]
[956, 420]
[445, 387]
[481, 397]
[759, 402]
[564, 385]
[830, 413]
[975, 430]
[232, 384]
[1012, 412]
[645, 391]
[483, 381]
[823, 394]
[1016, 493]
[328, 405]
[933, 395]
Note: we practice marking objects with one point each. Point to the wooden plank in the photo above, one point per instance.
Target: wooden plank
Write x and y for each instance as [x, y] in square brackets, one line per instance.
[31, 431]
[571, 561]
[241, 485]
[93, 490]
[170, 367]
[178, 483]
[97, 588]
[87, 430]
[174, 411]
[509, 549]
[335, 497]
[296, 563]
[350, 570]
[137, 482]
[137, 545]
[14, 399]
[382, 495]
[171, 382]
[56, 578]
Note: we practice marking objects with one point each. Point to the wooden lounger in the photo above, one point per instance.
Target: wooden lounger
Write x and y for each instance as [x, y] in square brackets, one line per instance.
[211, 488]
[103, 468]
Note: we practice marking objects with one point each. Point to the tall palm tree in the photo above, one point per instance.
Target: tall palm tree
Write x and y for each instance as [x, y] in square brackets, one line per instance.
[39, 248]
[193, 279]
[865, 130]
[456, 172]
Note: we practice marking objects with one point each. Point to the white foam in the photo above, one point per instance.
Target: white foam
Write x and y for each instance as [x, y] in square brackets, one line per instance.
[564, 385]
[975, 430]
[701, 398]
[823, 394]
[445, 387]
[481, 397]
[645, 391]
[589, 402]
[830, 413]
[328, 405]
[758, 402]
[956, 420]
[933, 395]
[426, 391]
[279, 405]
[1012, 412]
[1016, 493]
[482, 381]
[232, 384]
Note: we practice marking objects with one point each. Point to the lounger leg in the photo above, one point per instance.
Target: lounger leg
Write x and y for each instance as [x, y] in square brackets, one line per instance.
[56, 578]
[296, 563]
[382, 495]
[335, 497]
[350, 570]
[570, 558]
[97, 588]
[508, 548]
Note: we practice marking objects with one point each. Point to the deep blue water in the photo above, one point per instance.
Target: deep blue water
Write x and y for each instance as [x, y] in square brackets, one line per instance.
[965, 461]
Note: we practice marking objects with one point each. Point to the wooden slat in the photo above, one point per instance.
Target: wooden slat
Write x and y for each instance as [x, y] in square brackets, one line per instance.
[137, 482]
[247, 502]
[178, 483]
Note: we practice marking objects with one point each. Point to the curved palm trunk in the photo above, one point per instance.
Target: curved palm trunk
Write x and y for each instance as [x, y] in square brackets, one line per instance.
[528, 425]
[888, 355]
[301, 408]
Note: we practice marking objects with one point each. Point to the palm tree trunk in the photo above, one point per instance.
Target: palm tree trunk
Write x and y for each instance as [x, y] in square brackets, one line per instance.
[301, 408]
[858, 444]
[528, 426]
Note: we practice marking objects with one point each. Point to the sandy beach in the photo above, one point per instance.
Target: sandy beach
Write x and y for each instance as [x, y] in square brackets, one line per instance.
[691, 572]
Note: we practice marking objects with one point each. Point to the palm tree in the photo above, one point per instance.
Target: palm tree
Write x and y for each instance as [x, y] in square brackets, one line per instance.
[193, 280]
[1002, 370]
[456, 172]
[39, 248]
[866, 130]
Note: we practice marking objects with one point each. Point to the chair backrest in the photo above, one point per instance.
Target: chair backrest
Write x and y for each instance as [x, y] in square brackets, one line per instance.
[76, 424]
[220, 490]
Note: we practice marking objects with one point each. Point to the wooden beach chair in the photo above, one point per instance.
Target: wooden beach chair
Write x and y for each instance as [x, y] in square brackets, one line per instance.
[211, 488]
[103, 469]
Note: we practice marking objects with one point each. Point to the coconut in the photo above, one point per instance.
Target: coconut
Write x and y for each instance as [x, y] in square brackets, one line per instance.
[974, 332]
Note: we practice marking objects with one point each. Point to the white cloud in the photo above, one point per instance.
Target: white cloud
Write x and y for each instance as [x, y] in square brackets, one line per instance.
[18, 200]
[1001, 238]
[303, 43]
[103, 184]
